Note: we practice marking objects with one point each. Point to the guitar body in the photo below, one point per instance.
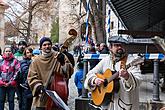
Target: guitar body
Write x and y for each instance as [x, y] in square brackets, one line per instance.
[112, 84]
[100, 91]
[59, 84]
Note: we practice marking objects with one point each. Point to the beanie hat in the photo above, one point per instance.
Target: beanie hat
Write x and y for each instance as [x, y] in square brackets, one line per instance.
[43, 39]
[22, 43]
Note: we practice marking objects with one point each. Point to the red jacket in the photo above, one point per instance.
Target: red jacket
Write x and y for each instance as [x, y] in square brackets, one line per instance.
[9, 68]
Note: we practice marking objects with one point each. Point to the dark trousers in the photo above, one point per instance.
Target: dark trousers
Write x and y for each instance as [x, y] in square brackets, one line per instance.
[10, 92]
[79, 92]
[19, 95]
[26, 102]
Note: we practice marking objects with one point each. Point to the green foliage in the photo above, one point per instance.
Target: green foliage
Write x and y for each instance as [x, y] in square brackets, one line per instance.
[55, 31]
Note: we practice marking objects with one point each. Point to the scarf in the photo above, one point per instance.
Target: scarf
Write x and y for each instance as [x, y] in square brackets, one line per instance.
[11, 56]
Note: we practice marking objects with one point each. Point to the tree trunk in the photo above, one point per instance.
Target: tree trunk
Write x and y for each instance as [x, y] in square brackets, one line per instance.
[97, 19]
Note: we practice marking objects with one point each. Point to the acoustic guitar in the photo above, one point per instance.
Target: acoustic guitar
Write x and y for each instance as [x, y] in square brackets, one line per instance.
[108, 85]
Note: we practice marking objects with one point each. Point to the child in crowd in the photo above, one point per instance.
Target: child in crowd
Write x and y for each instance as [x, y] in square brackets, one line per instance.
[78, 80]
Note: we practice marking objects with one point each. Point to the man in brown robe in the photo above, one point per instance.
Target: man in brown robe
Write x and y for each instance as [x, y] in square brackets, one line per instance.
[40, 69]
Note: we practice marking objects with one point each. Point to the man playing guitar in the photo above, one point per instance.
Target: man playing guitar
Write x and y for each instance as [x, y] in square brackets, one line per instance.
[124, 82]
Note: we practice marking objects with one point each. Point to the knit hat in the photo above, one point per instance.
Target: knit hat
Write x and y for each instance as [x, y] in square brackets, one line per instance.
[43, 39]
[22, 43]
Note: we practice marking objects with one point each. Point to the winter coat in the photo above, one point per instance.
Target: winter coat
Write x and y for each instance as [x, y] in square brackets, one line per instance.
[128, 95]
[9, 68]
[39, 71]
[78, 79]
[25, 63]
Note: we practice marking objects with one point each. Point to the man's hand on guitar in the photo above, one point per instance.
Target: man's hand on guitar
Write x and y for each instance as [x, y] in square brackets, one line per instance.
[98, 81]
[124, 73]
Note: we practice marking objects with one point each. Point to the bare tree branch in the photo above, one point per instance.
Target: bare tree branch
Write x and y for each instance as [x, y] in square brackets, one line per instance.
[30, 8]
[14, 25]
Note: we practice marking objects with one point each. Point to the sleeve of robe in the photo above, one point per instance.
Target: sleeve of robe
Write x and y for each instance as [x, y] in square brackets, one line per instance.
[33, 79]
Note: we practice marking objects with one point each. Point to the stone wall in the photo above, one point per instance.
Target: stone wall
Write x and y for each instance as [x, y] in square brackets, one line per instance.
[2, 24]
[68, 18]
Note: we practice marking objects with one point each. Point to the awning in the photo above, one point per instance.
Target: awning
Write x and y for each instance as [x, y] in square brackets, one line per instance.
[140, 15]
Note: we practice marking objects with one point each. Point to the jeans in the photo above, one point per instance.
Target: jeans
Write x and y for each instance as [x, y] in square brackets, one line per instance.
[26, 100]
[19, 96]
[10, 92]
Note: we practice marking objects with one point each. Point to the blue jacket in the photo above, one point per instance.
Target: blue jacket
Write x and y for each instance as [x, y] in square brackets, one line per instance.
[25, 63]
[78, 79]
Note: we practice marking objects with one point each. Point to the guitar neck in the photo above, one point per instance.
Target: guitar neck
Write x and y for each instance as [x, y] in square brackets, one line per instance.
[115, 75]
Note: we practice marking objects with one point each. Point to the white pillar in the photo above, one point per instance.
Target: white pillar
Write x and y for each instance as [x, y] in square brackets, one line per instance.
[2, 24]
[68, 18]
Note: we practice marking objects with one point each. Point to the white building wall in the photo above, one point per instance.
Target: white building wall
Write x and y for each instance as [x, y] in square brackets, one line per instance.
[2, 25]
[116, 24]
[68, 18]
[42, 25]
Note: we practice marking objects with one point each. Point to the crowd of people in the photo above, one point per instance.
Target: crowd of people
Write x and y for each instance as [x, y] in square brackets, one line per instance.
[24, 74]
[18, 79]
[14, 64]
[27, 73]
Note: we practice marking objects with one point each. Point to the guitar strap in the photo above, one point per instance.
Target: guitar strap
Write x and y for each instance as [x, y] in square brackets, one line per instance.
[123, 62]
[116, 80]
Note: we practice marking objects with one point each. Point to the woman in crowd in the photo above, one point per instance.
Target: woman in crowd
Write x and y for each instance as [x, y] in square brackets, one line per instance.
[9, 68]
[26, 92]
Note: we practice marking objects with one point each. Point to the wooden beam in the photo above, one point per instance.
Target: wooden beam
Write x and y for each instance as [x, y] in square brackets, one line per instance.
[142, 33]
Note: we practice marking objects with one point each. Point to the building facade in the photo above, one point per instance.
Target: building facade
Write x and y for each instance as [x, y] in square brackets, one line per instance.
[3, 7]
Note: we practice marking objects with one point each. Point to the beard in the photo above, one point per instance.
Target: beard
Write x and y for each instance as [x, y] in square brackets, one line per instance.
[119, 54]
[21, 49]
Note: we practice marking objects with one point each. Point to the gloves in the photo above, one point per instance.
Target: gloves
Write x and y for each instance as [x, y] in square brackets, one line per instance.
[39, 90]
[61, 58]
